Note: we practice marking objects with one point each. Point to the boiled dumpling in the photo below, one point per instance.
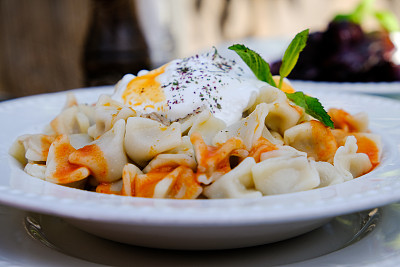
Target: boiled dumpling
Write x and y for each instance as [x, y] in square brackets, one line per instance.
[185, 147]
[238, 183]
[313, 138]
[282, 151]
[282, 115]
[348, 160]
[72, 120]
[329, 174]
[107, 113]
[368, 143]
[146, 138]
[80, 140]
[110, 188]
[36, 170]
[350, 123]
[179, 183]
[59, 169]
[213, 162]
[249, 129]
[285, 174]
[170, 160]
[31, 147]
[129, 173]
[207, 125]
[105, 157]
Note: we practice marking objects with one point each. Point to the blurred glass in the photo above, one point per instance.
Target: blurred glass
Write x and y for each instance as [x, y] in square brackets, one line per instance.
[115, 44]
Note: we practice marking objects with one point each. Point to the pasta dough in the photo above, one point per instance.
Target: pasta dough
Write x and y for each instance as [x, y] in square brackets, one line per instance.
[187, 131]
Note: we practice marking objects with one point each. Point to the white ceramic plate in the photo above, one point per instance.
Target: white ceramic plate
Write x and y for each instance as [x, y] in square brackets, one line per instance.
[197, 224]
[358, 239]
[272, 49]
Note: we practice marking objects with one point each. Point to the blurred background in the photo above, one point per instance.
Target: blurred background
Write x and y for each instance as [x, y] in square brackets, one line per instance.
[55, 45]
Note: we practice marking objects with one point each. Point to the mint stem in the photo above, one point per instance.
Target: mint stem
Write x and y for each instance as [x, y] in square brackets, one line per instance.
[280, 82]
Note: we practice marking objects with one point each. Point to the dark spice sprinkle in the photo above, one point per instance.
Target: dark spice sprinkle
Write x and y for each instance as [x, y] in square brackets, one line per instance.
[209, 92]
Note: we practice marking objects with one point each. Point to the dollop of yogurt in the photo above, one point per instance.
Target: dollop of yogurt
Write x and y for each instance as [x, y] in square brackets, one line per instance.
[185, 86]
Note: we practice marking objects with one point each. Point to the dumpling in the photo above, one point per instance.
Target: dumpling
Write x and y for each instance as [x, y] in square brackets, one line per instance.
[207, 125]
[249, 129]
[368, 143]
[170, 160]
[59, 169]
[213, 162]
[70, 101]
[282, 115]
[186, 185]
[105, 157]
[146, 138]
[313, 138]
[80, 140]
[282, 151]
[31, 147]
[285, 174]
[107, 113]
[348, 160]
[179, 183]
[185, 147]
[129, 173]
[238, 183]
[156, 185]
[371, 145]
[187, 122]
[73, 119]
[114, 188]
[276, 137]
[329, 174]
[36, 170]
[350, 123]
[261, 147]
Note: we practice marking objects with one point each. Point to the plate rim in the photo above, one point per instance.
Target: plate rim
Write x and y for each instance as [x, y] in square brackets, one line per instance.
[210, 213]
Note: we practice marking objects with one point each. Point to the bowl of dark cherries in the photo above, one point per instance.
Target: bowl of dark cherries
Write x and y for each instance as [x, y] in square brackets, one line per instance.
[345, 52]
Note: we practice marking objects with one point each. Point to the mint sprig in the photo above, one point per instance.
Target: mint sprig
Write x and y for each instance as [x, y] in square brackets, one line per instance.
[262, 71]
[312, 106]
[291, 55]
[256, 63]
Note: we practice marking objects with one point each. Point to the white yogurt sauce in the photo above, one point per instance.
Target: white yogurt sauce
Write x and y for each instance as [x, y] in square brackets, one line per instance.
[188, 85]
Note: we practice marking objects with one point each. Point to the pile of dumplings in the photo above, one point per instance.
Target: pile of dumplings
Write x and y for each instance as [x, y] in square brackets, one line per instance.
[275, 148]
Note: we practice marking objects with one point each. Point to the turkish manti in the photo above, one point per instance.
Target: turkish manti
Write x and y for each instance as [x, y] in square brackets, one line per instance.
[199, 127]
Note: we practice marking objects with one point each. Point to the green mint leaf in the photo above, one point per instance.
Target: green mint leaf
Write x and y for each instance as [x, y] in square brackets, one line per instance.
[256, 63]
[262, 71]
[387, 20]
[312, 106]
[292, 53]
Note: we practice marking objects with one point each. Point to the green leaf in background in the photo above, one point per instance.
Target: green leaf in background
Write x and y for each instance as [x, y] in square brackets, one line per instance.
[340, 17]
[292, 53]
[256, 63]
[387, 20]
[312, 106]
[363, 9]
